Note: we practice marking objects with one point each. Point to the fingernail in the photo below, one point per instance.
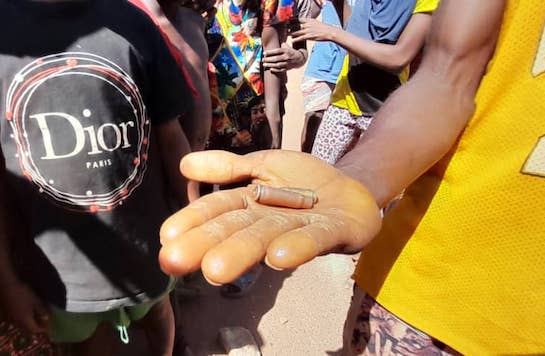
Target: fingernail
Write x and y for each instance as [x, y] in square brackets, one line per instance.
[271, 266]
[215, 284]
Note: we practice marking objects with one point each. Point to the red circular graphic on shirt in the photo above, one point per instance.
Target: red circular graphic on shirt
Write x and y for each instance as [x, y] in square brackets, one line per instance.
[81, 130]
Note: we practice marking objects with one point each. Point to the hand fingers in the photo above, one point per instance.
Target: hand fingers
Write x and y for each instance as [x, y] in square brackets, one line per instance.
[245, 248]
[217, 167]
[300, 35]
[282, 57]
[278, 70]
[296, 247]
[303, 36]
[184, 254]
[297, 34]
[276, 65]
[202, 210]
[273, 52]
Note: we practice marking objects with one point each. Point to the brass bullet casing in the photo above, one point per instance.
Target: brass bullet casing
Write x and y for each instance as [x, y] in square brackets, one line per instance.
[294, 198]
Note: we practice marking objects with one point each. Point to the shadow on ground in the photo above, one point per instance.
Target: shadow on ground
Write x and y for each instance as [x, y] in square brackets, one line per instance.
[215, 312]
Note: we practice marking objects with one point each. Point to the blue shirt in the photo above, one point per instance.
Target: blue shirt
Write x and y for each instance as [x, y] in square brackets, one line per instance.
[326, 59]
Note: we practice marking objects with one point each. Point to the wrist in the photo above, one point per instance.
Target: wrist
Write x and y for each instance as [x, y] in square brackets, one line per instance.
[303, 55]
[334, 34]
[301, 58]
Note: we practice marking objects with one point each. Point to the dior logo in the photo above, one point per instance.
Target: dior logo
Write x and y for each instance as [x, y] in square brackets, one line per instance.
[107, 137]
[81, 160]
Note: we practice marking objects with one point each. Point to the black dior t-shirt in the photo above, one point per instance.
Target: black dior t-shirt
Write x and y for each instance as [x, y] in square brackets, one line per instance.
[83, 86]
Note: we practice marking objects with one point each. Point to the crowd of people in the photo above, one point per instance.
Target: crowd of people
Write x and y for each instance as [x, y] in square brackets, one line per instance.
[423, 132]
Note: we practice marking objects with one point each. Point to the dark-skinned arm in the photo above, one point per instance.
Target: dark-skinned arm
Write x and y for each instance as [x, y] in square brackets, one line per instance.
[195, 55]
[173, 146]
[390, 57]
[226, 232]
[270, 39]
[421, 121]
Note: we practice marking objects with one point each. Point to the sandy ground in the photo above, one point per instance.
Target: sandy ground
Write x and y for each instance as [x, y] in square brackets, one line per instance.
[297, 312]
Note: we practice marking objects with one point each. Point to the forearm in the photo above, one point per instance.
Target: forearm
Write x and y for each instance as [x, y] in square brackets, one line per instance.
[197, 124]
[422, 120]
[186, 34]
[173, 146]
[415, 128]
[194, 49]
[272, 104]
[272, 84]
[388, 57]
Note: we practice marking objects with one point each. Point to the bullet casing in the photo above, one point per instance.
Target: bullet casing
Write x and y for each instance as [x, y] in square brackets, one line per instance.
[294, 198]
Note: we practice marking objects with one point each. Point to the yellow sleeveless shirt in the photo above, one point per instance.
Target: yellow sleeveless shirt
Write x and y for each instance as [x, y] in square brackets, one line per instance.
[462, 256]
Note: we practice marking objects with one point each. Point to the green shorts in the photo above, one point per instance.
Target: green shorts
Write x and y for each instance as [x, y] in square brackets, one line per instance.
[69, 327]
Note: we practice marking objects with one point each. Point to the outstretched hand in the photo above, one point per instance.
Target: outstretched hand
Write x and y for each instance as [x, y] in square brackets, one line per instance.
[225, 233]
[314, 30]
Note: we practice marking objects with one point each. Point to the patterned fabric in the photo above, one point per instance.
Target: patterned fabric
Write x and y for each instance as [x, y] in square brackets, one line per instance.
[15, 342]
[235, 65]
[338, 133]
[316, 94]
[372, 330]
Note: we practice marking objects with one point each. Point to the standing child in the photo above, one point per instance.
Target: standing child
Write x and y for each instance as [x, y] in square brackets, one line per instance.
[91, 141]
[382, 38]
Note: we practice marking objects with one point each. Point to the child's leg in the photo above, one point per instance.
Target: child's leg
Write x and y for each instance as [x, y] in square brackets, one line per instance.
[338, 132]
[310, 128]
[158, 325]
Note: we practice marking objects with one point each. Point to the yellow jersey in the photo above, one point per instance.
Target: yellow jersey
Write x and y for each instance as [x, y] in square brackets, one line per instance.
[343, 96]
[462, 255]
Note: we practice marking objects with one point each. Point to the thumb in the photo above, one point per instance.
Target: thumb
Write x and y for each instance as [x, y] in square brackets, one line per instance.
[284, 45]
[217, 167]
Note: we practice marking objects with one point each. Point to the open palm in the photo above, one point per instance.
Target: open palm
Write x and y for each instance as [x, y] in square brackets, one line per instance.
[225, 233]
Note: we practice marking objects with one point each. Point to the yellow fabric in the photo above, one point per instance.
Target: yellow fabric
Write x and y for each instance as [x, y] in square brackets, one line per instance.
[425, 6]
[462, 256]
[342, 95]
